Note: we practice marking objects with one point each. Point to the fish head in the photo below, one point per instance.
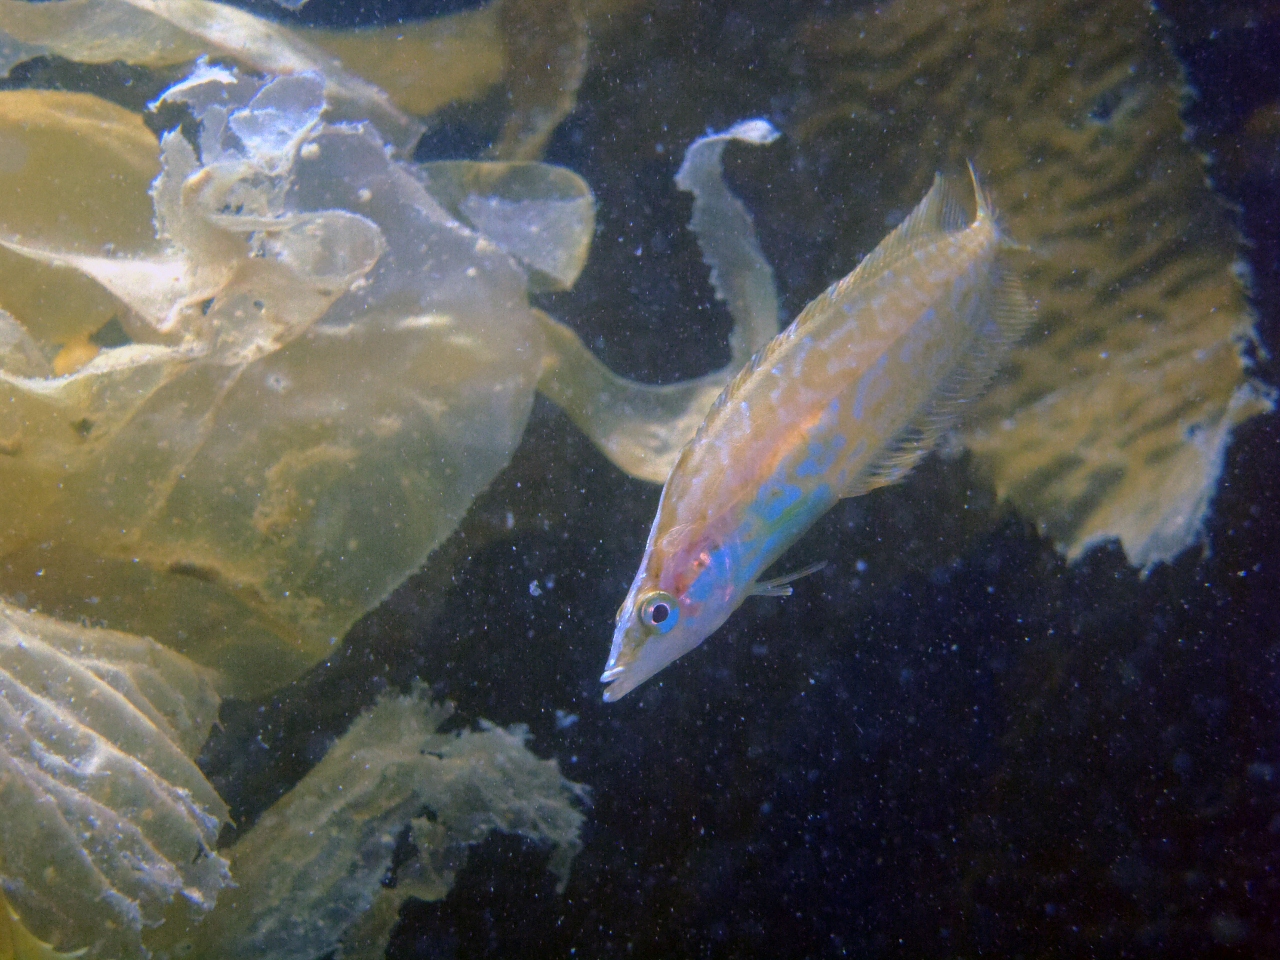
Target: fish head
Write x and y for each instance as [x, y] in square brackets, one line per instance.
[674, 604]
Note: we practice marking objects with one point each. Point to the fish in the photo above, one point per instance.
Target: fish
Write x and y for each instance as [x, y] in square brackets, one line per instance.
[848, 398]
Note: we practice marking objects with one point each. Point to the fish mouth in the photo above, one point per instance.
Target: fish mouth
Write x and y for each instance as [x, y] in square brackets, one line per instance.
[621, 679]
[620, 683]
[626, 670]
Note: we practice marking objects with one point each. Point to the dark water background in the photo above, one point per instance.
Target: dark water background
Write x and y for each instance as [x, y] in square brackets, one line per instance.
[947, 743]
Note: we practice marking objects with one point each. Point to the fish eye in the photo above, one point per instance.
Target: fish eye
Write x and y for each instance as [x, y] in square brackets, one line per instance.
[659, 611]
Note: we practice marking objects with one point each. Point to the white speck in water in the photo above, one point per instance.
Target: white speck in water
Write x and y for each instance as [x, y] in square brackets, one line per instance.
[861, 566]
[565, 720]
[535, 589]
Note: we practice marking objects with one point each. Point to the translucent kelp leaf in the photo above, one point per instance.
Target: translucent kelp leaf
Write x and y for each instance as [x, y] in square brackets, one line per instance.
[18, 943]
[546, 47]
[425, 65]
[107, 818]
[543, 216]
[318, 859]
[75, 171]
[256, 477]
[319, 371]
[158, 33]
[536, 49]
[1114, 413]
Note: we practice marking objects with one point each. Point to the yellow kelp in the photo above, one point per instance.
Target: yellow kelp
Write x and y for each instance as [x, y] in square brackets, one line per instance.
[108, 822]
[310, 374]
[1113, 416]
[92, 162]
[110, 828]
[313, 864]
[163, 33]
[848, 398]
[389, 75]
[17, 942]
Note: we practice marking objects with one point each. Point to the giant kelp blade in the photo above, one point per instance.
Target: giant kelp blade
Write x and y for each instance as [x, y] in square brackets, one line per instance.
[1112, 416]
[162, 33]
[424, 65]
[74, 171]
[315, 862]
[240, 465]
[542, 215]
[108, 821]
[533, 53]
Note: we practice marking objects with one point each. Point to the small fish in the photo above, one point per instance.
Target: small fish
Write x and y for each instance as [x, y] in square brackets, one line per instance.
[847, 399]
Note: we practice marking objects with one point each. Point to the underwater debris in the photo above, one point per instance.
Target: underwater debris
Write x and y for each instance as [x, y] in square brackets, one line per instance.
[321, 364]
[1113, 416]
[310, 868]
[108, 821]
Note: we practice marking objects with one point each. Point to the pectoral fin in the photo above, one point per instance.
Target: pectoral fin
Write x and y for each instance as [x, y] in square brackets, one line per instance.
[781, 586]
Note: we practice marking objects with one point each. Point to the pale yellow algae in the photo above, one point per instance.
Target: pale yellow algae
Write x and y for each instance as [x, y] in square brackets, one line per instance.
[318, 363]
[311, 867]
[108, 823]
[110, 828]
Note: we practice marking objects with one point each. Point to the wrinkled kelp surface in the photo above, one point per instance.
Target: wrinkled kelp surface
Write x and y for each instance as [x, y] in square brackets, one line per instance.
[107, 818]
[387, 814]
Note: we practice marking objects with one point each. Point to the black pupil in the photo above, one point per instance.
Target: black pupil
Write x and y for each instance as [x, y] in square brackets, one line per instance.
[659, 613]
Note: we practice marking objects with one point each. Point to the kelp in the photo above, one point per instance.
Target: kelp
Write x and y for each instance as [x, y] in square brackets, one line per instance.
[110, 828]
[388, 813]
[1113, 416]
[17, 942]
[536, 52]
[109, 824]
[92, 162]
[167, 33]
[324, 357]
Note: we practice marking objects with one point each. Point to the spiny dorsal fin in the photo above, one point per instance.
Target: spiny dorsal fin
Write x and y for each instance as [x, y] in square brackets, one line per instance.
[938, 214]
[1006, 316]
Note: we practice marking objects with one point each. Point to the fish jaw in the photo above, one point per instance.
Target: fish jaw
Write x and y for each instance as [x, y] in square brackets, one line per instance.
[639, 651]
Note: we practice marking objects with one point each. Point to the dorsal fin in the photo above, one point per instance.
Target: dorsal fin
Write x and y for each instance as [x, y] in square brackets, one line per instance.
[938, 214]
[1007, 314]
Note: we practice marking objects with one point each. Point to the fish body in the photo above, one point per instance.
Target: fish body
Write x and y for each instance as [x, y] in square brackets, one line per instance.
[848, 398]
